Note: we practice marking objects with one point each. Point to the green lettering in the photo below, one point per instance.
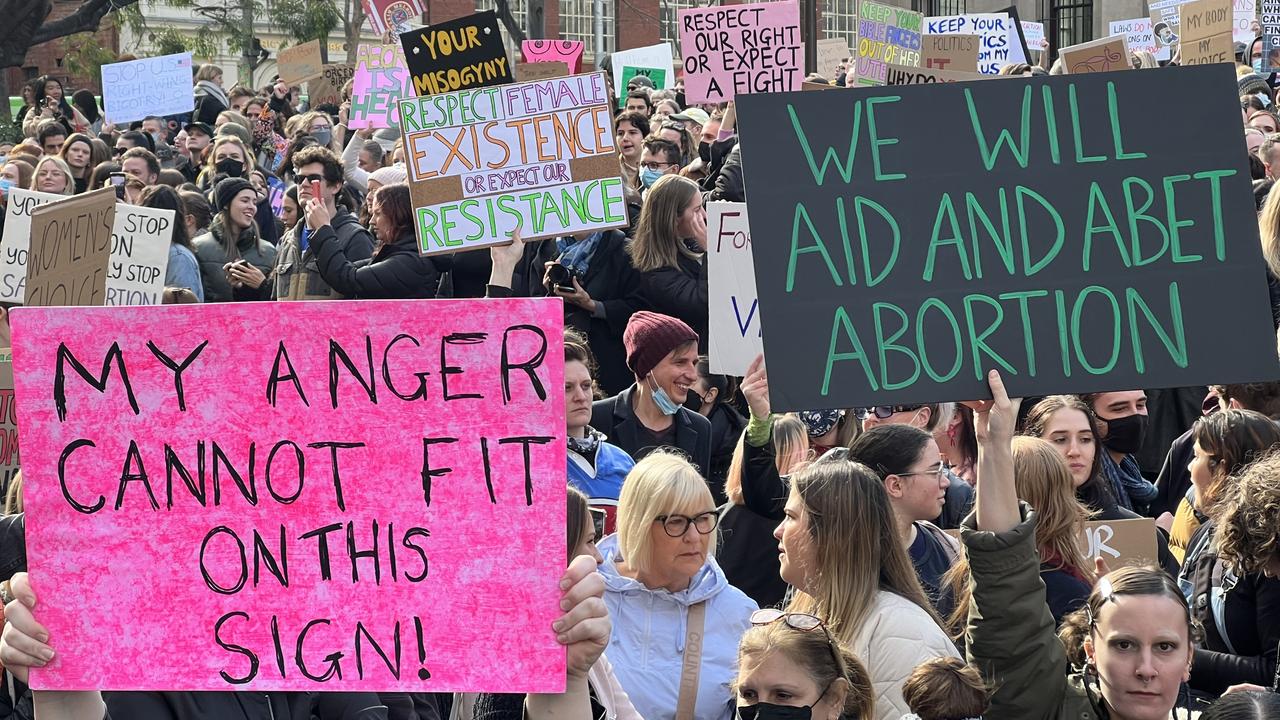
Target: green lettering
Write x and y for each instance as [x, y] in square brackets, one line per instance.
[818, 247]
[1098, 202]
[1215, 189]
[859, 203]
[1075, 129]
[935, 242]
[1020, 150]
[885, 344]
[1051, 124]
[876, 142]
[840, 323]
[1176, 346]
[978, 340]
[1175, 224]
[1060, 303]
[1076, 311]
[955, 334]
[1027, 337]
[1031, 269]
[846, 169]
[1136, 214]
[1113, 107]
[1003, 244]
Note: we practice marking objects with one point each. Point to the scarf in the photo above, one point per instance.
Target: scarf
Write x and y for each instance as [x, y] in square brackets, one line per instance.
[1131, 490]
[576, 254]
[586, 446]
[206, 87]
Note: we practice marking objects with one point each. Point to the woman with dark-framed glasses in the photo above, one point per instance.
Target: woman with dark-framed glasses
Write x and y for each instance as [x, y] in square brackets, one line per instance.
[789, 663]
[676, 619]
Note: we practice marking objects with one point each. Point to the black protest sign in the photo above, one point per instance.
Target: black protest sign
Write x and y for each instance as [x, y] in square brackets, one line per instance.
[1054, 235]
[456, 55]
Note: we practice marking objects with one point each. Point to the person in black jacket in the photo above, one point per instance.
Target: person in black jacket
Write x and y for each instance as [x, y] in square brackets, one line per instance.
[602, 292]
[710, 398]
[211, 99]
[662, 354]
[668, 249]
[728, 182]
[396, 270]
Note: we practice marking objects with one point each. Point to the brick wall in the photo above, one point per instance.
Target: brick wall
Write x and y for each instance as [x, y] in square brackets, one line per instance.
[637, 23]
[47, 58]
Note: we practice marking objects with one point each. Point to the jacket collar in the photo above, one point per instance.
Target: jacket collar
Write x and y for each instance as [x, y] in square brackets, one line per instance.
[626, 425]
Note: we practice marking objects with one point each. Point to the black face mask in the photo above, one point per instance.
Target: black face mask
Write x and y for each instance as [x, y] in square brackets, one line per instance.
[693, 401]
[230, 166]
[1126, 434]
[769, 711]
[704, 152]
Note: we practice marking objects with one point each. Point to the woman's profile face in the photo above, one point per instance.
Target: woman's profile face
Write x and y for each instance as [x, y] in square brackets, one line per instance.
[1142, 653]
[797, 550]
[689, 217]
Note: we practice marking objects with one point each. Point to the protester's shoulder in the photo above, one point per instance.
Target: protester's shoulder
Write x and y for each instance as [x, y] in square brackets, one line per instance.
[698, 422]
[207, 246]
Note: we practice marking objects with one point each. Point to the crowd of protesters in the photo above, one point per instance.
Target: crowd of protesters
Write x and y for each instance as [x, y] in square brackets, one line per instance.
[725, 560]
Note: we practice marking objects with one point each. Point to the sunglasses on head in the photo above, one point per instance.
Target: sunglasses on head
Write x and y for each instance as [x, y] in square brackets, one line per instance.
[804, 622]
[884, 412]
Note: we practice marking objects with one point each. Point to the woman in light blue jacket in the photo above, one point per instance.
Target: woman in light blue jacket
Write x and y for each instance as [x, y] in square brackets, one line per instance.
[676, 620]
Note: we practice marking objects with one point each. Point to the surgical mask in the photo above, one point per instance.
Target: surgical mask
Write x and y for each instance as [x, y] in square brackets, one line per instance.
[704, 152]
[1126, 434]
[662, 399]
[230, 166]
[323, 137]
[649, 176]
[769, 711]
[5, 186]
[1257, 65]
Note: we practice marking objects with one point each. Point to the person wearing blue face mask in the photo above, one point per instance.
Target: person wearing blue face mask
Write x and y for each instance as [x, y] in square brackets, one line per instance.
[662, 353]
[659, 157]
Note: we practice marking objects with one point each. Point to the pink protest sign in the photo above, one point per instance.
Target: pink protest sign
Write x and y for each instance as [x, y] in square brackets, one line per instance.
[568, 52]
[740, 49]
[312, 496]
[381, 79]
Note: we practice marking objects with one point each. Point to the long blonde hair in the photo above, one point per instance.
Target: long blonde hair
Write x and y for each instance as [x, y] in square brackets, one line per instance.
[656, 244]
[13, 496]
[1269, 231]
[859, 552]
[790, 448]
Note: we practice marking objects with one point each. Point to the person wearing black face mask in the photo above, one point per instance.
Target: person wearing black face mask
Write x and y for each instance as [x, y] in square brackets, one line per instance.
[709, 398]
[791, 668]
[1122, 418]
[229, 156]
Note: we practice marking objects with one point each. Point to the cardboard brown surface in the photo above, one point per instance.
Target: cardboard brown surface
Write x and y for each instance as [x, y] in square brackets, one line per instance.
[71, 250]
[1203, 19]
[300, 63]
[1216, 49]
[951, 52]
[900, 75]
[327, 88]
[526, 72]
[1104, 55]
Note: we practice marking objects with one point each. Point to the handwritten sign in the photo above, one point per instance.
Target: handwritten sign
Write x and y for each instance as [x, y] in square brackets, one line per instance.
[654, 62]
[832, 53]
[464, 53]
[568, 52]
[300, 63]
[1164, 20]
[737, 49]
[1206, 32]
[899, 75]
[1033, 33]
[951, 52]
[9, 463]
[1104, 55]
[526, 72]
[1121, 543]
[376, 507]
[392, 16]
[1038, 253]
[886, 36]
[1245, 21]
[135, 89]
[71, 250]
[1139, 36]
[1001, 42]
[327, 89]
[140, 239]
[734, 317]
[381, 80]
[538, 155]
[1270, 35]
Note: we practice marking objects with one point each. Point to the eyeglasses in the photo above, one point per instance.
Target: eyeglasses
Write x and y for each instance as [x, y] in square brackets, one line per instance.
[934, 471]
[677, 525]
[804, 622]
[884, 412]
[655, 165]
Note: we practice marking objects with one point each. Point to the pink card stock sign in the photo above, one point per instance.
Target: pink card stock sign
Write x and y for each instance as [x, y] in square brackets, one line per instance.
[568, 52]
[735, 50]
[330, 496]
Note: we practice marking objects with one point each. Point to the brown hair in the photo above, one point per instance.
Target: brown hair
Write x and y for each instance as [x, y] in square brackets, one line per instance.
[397, 206]
[1263, 397]
[577, 520]
[1248, 517]
[1078, 626]
[657, 245]
[814, 652]
[576, 349]
[320, 154]
[1096, 491]
[1232, 439]
[945, 688]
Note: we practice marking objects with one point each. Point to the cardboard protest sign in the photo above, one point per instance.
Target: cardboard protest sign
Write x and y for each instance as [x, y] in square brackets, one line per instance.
[951, 52]
[135, 89]
[737, 49]
[538, 155]
[568, 52]
[381, 80]
[1103, 55]
[733, 316]
[140, 239]
[1139, 36]
[886, 36]
[1033, 33]
[899, 75]
[377, 507]
[832, 53]
[1206, 32]
[1164, 21]
[9, 463]
[526, 72]
[327, 89]
[300, 63]
[392, 16]
[1270, 35]
[1244, 21]
[1001, 39]
[456, 55]
[70, 252]
[1121, 542]
[654, 62]
[16, 242]
[1052, 241]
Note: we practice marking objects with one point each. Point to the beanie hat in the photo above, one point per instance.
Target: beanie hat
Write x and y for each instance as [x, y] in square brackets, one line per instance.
[386, 137]
[1252, 83]
[389, 175]
[650, 337]
[226, 190]
[236, 130]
